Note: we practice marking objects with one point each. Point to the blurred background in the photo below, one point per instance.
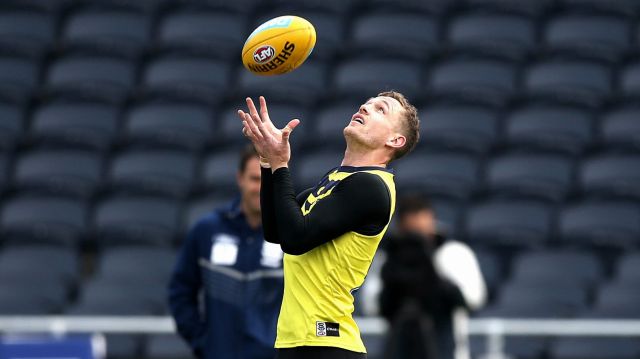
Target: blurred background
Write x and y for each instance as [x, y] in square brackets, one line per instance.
[118, 129]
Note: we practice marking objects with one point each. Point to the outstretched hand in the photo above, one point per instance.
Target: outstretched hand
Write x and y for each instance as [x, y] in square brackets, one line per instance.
[271, 143]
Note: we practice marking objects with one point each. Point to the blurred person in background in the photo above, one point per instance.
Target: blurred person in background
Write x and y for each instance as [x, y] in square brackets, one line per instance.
[226, 289]
[429, 283]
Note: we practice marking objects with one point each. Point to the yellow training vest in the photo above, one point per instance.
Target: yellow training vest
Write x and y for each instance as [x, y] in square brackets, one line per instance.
[318, 303]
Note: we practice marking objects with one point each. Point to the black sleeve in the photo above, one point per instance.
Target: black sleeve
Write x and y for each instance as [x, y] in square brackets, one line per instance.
[266, 206]
[359, 203]
[302, 196]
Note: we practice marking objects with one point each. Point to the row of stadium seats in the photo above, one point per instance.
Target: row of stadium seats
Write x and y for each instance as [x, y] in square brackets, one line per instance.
[510, 36]
[211, 81]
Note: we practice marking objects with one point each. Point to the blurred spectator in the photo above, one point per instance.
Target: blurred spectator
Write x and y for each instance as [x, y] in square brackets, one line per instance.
[240, 275]
[429, 282]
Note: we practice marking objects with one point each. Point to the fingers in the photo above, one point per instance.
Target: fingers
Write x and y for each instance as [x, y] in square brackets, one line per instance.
[286, 131]
[264, 112]
[252, 108]
[250, 123]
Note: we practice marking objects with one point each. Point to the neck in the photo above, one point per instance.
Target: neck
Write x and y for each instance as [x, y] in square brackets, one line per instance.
[363, 157]
[254, 219]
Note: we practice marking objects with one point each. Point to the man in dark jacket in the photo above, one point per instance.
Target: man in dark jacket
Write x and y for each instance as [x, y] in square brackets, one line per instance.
[226, 289]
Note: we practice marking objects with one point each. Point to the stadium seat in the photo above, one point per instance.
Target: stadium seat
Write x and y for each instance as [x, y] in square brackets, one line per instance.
[619, 7]
[90, 77]
[304, 86]
[140, 6]
[46, 219]
[628, 269]
[511, 37]
[166, 346]
[14, 301]
[64, 124]
[333, 7]
[620, 128]
[200, 79]
[29, 33]
[509, 223]
[4, 171]
[397, 34]
[629, 78]
[19, 76]
[487, 82]
[435, 7]
[594, 348]
[330, 119]
[450, 175]
[11, 126]
[540, 176]
[118, 32]
[557, 268]
[617, 299]
[218, 171]
[50, 6]
[611, 176]
[201, 205]
[594, 36]
[364, 78]
[606, 224]
[61, 172]
[568, 299]
[468, 128]
[229, 124]
[449, 215]
[169, 125]
[51, 266]
[135, 264]
[584, 83]
[136, 220]
[550, 128]
[531, 8]
[159, 172]
[213, 33]
[491, 266]
[514, 346]
[133, 297]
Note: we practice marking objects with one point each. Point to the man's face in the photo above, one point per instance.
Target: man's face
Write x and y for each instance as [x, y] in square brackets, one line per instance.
[249, 185]
[422, 222]
[376, 122]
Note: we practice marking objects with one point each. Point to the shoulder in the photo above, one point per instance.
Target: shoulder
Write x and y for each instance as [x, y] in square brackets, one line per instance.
[369, 181]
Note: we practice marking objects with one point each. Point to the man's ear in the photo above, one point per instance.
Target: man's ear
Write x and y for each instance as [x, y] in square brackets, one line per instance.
[397, 141]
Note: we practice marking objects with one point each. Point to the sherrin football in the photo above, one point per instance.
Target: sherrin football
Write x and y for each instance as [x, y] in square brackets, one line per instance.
[278, 46]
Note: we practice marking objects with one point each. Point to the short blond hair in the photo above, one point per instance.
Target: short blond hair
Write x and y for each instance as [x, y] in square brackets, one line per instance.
[410, 126]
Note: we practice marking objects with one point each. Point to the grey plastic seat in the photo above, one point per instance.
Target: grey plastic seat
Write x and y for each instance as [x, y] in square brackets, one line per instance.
[509, 223]
[507, 36]
[551, 128]
[136, 264]
[218, 171]
[305, 86]
[26, 32]
[609, 223]
[64, 124]
[214, 33]
[620, 128]
[468, 128]
[628, 269]
[35, 265]
[584, 83]
[541, 176]
[488, 82]
[62, 172]
[330, 120]
[19, 76]
[617, 8]
[333, 7]
[190, 78]
[451, 175]
[115, 31]
[611, 176]
[629, 77]
[44, 219]
[595, 348]
[558, 269]
[91, 77]
[159, 172]
[364, 78]
[169, 125]
[616, 300]
[136, 221]
[595, 36]
[531, 8]
[406, 34]
[310, 169]
[202, 205]
[11, 125]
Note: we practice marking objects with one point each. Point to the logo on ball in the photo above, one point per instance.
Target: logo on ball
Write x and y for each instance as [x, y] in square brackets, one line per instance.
[264, 54]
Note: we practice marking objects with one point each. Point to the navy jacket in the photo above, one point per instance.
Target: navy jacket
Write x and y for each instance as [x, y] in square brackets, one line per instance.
[226, 289]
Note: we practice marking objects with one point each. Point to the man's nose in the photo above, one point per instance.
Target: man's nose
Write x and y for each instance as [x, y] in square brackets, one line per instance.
[363, 109]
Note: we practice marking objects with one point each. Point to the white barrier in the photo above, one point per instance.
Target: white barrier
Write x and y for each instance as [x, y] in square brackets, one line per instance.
[495, 329]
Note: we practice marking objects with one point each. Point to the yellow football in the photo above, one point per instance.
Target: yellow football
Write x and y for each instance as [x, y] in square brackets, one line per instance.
[279, 45]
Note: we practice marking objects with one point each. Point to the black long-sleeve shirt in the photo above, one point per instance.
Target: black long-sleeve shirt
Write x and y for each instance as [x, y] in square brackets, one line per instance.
[348, 208]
